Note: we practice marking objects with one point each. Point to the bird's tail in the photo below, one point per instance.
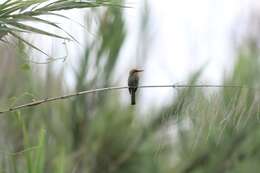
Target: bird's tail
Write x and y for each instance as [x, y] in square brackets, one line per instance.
[132, 98]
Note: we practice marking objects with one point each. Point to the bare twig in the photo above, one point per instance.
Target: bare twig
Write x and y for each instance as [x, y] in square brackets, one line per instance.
[38, 102]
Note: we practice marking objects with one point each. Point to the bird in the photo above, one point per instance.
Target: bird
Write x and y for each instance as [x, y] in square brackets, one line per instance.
[133, 81]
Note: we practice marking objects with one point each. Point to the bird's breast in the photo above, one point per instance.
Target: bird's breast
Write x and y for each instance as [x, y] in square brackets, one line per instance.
[133, 80]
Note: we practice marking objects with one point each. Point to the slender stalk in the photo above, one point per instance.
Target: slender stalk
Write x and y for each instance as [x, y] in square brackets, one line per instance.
[38, 102]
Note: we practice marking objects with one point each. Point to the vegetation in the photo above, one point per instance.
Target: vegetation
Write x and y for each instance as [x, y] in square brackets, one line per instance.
[197, 132]
[14, 14]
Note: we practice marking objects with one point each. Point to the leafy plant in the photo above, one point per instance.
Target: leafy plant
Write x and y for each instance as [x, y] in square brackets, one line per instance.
[15, 13]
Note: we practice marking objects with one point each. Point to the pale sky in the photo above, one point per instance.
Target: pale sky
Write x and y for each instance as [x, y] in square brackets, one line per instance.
[186, 35]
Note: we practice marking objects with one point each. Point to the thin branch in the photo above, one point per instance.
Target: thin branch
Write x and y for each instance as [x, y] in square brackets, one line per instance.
[38, 102]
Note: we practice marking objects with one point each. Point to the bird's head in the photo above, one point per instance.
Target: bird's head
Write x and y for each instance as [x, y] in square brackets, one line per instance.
[134, 71]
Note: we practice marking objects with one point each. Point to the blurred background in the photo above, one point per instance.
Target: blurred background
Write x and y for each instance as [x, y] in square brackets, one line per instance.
[169, 130]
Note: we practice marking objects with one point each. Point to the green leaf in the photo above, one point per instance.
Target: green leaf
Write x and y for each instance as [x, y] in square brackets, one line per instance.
[33, 29]
[29, 44]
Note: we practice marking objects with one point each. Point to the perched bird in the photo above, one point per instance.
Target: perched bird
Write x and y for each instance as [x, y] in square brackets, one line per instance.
[133, 80]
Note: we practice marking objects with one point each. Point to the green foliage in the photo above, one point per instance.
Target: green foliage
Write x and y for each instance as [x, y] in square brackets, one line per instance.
[14, 14]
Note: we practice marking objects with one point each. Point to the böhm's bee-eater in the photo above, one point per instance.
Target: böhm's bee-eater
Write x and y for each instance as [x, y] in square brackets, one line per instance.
[133, 80]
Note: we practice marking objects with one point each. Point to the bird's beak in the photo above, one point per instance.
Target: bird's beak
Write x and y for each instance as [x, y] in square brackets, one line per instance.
[139, 70]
